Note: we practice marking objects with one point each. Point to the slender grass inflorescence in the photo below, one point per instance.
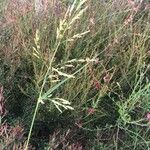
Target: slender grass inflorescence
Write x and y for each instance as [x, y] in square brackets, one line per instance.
[73, 13]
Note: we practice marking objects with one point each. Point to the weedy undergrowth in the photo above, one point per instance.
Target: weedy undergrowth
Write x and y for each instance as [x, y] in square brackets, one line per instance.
[84, 65]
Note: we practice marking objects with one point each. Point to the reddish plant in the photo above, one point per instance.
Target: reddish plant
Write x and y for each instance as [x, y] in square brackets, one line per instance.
[91, 111]
[97, 85]
[62, 141]
[107, 78]
[16, 9]
[148, 117]
[8, 134]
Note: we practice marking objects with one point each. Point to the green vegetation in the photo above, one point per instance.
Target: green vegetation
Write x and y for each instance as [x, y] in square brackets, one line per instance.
[75, 76]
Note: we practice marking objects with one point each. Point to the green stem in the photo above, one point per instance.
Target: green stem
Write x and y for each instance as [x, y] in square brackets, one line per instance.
[40, 94]
[32, 123]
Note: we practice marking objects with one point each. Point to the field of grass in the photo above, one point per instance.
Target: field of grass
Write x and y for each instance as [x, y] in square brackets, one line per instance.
[75, 75]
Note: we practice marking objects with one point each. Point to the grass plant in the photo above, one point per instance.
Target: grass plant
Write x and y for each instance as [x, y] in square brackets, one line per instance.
[75, 76]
